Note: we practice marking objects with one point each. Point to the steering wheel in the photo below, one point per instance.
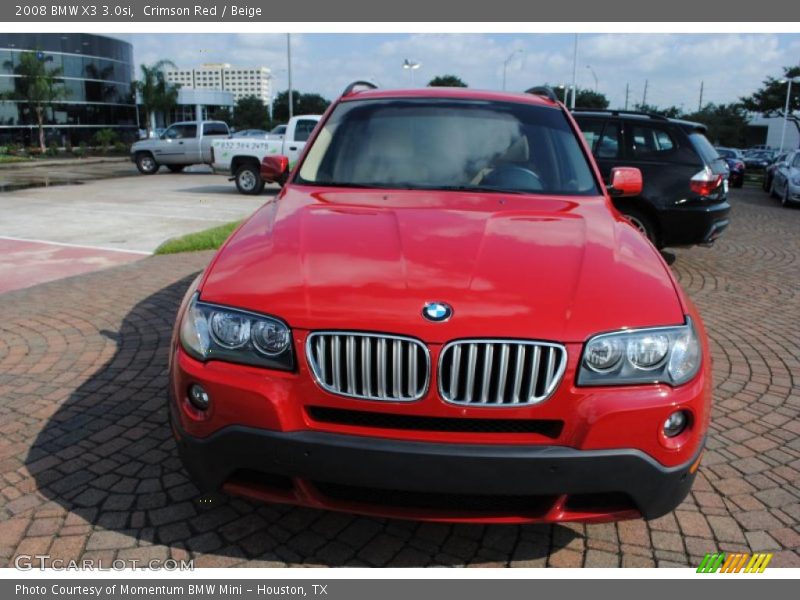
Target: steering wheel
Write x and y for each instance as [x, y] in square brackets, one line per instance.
[513, 176]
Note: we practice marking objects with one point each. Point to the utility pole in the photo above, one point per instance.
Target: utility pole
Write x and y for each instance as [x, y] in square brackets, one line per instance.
[289, 70]
[574, 72]
[627, 93]
[644, 95]
[700, 104]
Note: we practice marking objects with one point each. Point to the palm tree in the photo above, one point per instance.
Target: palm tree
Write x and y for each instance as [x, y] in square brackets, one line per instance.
[36, 86]
[157, 94]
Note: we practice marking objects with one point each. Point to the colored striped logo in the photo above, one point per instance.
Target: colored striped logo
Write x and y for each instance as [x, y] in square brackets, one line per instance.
[734, 563]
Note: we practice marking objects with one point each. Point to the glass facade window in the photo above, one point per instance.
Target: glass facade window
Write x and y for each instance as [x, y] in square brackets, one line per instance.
[97, 74]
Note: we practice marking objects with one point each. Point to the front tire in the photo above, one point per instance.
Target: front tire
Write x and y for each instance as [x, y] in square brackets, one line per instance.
[248, 180]
[146, 164]
[643, 223]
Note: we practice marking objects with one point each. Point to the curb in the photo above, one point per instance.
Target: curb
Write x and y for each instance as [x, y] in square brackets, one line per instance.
[64, 162]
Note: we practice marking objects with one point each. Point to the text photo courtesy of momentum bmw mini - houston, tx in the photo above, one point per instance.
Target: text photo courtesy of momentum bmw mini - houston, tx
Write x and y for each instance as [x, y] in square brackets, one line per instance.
[503, 299]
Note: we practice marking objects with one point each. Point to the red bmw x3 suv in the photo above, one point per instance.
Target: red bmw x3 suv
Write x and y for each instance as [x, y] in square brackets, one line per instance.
[442, 317]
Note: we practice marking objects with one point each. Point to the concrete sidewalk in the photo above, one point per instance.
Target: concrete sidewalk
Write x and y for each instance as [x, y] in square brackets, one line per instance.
[69, 229]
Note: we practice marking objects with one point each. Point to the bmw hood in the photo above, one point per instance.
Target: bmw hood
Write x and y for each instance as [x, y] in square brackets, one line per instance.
[512, 267]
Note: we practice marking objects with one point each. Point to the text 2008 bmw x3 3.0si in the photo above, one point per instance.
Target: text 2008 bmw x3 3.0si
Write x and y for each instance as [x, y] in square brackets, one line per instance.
[442, 317]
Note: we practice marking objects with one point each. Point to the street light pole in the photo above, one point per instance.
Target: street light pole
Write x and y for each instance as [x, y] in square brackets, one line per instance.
[505, 65]
[410, 65]
[593, 75]
[574, 72]
[289, 72]
[786, 108]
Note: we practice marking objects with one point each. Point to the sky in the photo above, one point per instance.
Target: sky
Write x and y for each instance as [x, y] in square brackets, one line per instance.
[673, 65]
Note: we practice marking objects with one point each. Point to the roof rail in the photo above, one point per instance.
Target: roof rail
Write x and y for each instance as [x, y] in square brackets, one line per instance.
[361, 83]
[617, 112]
[543, 90]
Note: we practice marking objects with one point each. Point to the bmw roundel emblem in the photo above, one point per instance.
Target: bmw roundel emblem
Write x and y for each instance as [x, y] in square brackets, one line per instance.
[437, 311]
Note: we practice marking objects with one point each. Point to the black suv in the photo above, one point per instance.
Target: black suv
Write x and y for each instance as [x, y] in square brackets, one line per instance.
[685, 196]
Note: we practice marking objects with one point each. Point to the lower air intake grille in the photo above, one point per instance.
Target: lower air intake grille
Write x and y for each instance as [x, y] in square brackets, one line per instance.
[500, 372]
[492, 504]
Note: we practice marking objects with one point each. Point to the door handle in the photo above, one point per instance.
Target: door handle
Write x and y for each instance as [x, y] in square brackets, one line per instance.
[181, 143]
[293, 148]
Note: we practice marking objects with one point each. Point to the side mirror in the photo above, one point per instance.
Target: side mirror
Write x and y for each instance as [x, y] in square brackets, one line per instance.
[274, 168]
[625, 181]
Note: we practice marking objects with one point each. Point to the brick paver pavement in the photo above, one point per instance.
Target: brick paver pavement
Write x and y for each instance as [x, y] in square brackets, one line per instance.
[88, 468]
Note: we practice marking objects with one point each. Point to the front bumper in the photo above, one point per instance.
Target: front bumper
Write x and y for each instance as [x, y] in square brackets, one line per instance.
[434, 481]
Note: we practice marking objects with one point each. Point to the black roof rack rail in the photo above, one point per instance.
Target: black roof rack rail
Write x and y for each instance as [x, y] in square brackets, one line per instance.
[616, 112]
[543, 90]
[356, 84]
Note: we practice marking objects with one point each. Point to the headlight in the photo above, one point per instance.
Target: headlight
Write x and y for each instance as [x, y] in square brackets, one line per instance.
[211, 332]
[655, 355]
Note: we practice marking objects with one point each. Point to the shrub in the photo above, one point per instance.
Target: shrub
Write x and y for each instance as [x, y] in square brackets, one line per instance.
[104, 138]
[120, 148]
[81, 151]
[52, 149]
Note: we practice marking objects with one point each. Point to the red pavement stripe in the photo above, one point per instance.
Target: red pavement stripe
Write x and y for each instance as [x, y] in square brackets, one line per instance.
[25, 263]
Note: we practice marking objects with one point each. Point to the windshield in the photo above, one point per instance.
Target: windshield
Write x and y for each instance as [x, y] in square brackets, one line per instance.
[449, 145]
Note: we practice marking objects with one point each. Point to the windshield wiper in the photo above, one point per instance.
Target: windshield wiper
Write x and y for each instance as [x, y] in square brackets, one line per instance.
[411, 186]
[480, 188]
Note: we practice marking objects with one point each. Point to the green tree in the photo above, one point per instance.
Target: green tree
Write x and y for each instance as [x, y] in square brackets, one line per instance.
[250, 112]
[590, 99]
[673, 112]
[222, 113]
[157, 94]
[303, 104]
[36, 87]
[727, 123]
[770, 98]
[447, 81]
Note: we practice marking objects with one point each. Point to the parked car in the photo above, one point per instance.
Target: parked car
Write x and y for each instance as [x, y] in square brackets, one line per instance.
[786, 179]
[181, 144]
[241, 157]
[735, 162]
[256, 133]
[769, 171]
[759, 160]
[278, 130]
[442, 317]
[685, 195]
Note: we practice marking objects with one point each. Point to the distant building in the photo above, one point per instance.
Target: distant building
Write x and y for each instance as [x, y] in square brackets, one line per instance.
[97, 74]
[769, 131]
[241, 82]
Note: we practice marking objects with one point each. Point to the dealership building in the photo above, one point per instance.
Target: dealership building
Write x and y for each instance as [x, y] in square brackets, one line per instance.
[97, 74]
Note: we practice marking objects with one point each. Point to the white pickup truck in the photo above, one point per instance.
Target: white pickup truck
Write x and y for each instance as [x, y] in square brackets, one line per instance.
[241, 157]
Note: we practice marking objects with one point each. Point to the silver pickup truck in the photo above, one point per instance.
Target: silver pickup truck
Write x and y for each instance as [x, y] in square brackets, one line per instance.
[182, 144]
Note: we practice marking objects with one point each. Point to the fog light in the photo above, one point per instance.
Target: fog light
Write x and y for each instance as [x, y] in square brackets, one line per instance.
[676, 423]
[199, 397]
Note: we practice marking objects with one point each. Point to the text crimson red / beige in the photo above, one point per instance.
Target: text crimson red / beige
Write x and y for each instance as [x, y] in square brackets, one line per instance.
[223, 10]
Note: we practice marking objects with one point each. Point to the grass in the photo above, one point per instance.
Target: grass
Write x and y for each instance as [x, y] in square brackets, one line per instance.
[6, 158]
[208, 239]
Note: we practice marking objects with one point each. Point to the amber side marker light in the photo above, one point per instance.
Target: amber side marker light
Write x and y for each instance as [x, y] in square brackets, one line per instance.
[695, 464]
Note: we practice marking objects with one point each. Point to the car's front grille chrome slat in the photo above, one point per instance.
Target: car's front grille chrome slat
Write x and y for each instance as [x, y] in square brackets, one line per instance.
[369, 366]
[500, 372]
